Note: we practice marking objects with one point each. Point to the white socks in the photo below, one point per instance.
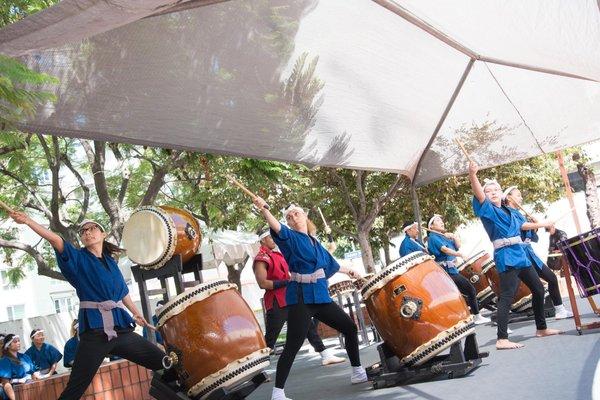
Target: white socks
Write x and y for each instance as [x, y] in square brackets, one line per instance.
[359, 375]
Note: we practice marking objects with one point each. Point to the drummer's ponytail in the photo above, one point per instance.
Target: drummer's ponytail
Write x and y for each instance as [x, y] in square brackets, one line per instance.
[112, 249]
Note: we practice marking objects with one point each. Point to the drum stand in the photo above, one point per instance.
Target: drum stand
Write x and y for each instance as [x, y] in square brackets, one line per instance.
[576, 316]
[389, 372]
[353, 304]
[172, 269]
[166, 388]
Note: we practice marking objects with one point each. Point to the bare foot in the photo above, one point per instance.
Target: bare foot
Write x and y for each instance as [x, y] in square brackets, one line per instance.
[505, 344]
[547, 332]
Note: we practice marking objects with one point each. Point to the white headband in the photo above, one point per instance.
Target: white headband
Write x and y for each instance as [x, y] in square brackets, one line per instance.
[488, 182]
[264, 234]
[432, 218]
[507, 191]
[410, 226]
[36, 333]
[292, 207]
[12, 339]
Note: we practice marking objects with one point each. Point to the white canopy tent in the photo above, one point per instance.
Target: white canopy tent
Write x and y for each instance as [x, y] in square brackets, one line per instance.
[394, 82]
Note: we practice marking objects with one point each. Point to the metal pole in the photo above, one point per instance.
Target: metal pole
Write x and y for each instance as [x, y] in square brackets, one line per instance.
[416, 209]
[568, 191]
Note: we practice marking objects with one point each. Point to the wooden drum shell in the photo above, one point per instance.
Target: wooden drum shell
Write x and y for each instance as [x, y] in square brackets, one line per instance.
[472, 269]
[522, 299]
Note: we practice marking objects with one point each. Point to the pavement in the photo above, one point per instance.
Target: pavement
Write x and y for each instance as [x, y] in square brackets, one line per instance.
[558, 367]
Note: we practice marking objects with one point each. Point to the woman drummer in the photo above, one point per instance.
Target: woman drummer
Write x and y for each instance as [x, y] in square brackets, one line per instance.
[503, 227]
[307, 295]
[105, 326]
[512, 198]
[444, 246]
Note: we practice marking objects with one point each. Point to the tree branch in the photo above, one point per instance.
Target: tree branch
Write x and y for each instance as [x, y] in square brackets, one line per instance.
[42, 266]
[86, 190]
[42, 206]
[382, 200]
[360, 188]
[345, 192]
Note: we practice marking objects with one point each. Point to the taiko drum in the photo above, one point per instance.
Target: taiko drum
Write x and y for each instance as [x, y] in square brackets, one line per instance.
[153, 235]
[212, 338]
[417, 308]
[472, 269]
[522, 299]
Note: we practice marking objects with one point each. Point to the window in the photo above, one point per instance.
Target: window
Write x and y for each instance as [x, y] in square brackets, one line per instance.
[15, 312]
[64, 304]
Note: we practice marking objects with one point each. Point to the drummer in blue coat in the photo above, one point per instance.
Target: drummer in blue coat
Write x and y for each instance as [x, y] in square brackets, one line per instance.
[71, 345]
[411, 242]
[512, 198]
[15, 368]
[105, 326]
[444, 246]
[44, 355]
[503, 227]
[307, 294]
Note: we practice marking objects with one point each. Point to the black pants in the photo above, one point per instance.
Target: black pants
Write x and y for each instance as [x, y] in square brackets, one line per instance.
[278, 316]
[553, 290]
[94, 346]
[468, 290]
[509, 282]
[299, 320]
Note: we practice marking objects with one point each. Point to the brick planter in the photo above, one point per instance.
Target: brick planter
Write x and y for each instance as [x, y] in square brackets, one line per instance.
[117, 380]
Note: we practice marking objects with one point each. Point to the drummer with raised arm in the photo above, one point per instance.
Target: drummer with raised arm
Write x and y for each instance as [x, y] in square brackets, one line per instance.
[503, 227]
[307, 294]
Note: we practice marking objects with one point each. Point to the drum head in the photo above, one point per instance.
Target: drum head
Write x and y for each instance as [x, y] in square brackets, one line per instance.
[147, 236]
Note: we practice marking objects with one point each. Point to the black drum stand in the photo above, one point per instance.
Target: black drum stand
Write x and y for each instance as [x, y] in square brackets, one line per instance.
[390, 372]
[165, 387]
[164, 384]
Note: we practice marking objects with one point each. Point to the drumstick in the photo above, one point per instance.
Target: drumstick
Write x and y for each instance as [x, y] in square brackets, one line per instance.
[526, 213]
[5, 207]
[323, 218]
[570, 210]
[244, 188]
[459, 143]
[151, 327]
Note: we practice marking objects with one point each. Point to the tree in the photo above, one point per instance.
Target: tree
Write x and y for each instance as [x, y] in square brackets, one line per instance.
[592, 202]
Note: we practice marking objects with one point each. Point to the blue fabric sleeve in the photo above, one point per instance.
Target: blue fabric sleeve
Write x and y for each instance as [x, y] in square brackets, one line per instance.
[284, 233]
[485, 209]
[28, 365]
[332, 266]
[434, 245]
[55, 354]
[5, 368]
[68, 260]
[534, 236]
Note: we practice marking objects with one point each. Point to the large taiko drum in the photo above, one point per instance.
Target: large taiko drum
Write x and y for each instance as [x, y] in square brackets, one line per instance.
[583, 255]
[472, 269]
[417, 308]
[523, 297]
[212, 338]
[153, 235]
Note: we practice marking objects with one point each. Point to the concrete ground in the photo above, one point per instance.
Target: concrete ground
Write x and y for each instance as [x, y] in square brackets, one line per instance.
[559, 367]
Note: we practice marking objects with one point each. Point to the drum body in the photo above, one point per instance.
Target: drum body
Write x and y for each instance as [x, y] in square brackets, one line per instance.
[153, 235]
[472, 269]
[583, 255]
[342, 287]
[212, 338]
[522, 299]
[417, 308]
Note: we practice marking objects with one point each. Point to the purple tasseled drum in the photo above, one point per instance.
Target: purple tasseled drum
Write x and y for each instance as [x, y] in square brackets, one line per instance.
[583, 255]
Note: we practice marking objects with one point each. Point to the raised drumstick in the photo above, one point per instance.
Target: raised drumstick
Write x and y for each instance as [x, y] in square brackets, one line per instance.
[5, 207]
[459, 143]
[244, 188]
[526, 213]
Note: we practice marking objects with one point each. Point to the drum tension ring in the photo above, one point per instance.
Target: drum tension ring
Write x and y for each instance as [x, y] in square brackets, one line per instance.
[411, 307]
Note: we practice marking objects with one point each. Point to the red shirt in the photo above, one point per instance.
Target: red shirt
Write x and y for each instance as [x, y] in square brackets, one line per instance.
[277, 270]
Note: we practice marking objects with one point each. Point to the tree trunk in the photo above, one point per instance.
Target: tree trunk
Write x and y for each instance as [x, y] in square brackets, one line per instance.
[365, 248]
[591, 194]
[386, 248]
[234, 275]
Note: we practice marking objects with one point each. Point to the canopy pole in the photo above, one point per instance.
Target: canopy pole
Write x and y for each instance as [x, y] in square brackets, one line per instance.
[416, 209]
[568, 191]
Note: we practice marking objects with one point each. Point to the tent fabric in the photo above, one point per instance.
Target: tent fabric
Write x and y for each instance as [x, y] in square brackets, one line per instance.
[382, 85]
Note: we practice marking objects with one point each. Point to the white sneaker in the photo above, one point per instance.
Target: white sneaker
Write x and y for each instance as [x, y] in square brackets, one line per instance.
[279, 394]
[359, 375]
[509, 331]
[480, 319]
[561, 312]
[327, 357]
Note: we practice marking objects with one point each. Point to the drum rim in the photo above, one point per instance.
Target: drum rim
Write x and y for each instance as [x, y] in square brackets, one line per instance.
[347, 285]
[198, 293]
[241, 368]
[583, 237]
[400, 266]
[488, 265]
[172, 238]
[471, 260]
